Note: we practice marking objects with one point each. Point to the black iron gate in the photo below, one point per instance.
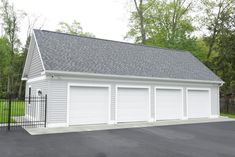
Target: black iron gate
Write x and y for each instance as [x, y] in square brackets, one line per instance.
[27, 112]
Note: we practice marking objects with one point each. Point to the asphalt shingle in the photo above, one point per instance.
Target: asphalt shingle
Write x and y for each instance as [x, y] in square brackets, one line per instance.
[64, 52]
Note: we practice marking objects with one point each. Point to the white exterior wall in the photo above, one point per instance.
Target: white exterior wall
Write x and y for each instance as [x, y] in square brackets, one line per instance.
[43, 86]
[35, 85]
[58, 90]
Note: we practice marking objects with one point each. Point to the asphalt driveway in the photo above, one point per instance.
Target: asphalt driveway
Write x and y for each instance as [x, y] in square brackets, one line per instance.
[207, 140]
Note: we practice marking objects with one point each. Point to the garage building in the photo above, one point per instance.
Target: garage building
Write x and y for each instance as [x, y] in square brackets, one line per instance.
[96, 81]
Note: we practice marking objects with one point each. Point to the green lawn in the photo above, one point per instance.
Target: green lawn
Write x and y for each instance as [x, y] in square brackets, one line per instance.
[230, 115]
[17, 109]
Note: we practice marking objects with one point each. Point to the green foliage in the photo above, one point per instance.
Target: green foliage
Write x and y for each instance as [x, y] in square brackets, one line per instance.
[75, 29]
[4, 53]
[225, 61]
[230, 115]
[220, 23]
[10, 73]
[217, 16]
[11, 18]
[168, 24]
[17, 109]
[4, 64]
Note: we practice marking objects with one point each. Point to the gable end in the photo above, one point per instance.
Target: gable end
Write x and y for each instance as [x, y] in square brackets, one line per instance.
[33, 65]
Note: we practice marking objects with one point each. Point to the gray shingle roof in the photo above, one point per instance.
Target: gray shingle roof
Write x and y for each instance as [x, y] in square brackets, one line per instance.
[63, 52]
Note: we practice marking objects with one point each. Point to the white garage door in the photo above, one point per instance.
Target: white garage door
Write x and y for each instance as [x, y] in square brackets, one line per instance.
[198, 103]
[88, 105]
[132, 104]
[168, 104]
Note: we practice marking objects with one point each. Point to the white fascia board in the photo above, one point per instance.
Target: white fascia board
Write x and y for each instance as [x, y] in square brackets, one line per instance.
[39, 78]
[65, 73]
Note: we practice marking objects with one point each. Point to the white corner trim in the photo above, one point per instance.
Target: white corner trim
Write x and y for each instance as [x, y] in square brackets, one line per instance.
[88, 85]
[40, 56]
[199, 89]
[132, 86]
[173, 88]
[218, 100]
[39, 78]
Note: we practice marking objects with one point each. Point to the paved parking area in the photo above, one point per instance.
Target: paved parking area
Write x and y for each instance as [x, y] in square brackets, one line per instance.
[191, 140]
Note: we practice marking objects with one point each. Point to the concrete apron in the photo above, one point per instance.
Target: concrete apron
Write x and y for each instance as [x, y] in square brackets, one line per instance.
[82, 128]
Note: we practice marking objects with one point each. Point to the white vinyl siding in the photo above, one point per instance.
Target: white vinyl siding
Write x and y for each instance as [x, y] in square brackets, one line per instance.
[57, 101]
[35, 67]
[57, 94]
[43, 86]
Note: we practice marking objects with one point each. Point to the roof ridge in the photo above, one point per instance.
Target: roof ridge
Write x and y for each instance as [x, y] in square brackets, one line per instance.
[115, 41]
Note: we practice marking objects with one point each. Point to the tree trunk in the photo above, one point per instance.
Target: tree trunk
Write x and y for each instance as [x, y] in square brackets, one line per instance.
[140, 12]
[143, 35]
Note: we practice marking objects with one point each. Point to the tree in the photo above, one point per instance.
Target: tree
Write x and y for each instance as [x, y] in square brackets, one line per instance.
[216, 13]
[137, 21]
[4, 64]
[221, 47]
[140, 11]
[224, 62]
[166, 24]
[75, 29]
[10, 18]
[22, 59]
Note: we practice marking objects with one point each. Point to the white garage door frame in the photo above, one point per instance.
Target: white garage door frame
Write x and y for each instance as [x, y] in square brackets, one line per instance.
[88, 85]
[137, 87]
[168, 87]
[198, 89]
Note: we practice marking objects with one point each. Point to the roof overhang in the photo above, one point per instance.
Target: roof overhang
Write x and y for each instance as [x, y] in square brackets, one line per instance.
[67, 73]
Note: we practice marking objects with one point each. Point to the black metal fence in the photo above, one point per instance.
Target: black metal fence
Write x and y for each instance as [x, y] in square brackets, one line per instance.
[27, 112]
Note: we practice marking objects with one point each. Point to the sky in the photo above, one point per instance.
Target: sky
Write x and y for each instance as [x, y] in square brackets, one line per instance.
[107, 19]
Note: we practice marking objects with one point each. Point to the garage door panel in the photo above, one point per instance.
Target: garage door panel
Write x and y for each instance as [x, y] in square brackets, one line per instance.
[88, 105]
[168, 104]
[132, 104]
[198, 103]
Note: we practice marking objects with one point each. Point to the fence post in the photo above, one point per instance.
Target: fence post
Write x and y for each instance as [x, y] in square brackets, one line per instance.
[9, 114]
[45, 123]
